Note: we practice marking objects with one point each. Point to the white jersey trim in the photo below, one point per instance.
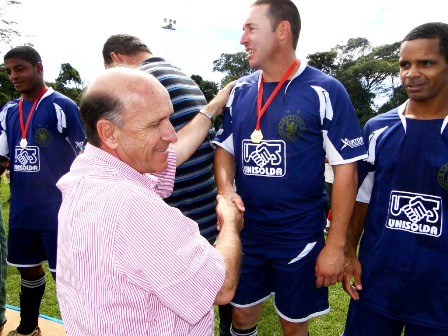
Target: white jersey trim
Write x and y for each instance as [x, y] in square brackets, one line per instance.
[365, 190]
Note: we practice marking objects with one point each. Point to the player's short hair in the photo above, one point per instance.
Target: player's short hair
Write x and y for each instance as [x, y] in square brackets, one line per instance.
[431, 30]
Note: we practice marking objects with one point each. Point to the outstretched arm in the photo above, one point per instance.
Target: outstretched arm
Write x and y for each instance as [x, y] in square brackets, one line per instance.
[330, 262]
[229, 246]
[224, 170]
[190, 137]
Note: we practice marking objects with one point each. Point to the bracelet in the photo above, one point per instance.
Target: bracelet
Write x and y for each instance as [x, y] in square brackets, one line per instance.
[207, 114]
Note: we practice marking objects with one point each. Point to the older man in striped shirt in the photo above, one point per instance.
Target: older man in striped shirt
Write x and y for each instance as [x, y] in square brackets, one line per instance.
[128, 263]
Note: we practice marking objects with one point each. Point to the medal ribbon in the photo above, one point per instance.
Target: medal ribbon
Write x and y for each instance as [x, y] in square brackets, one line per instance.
[260, 110]
[24, 128]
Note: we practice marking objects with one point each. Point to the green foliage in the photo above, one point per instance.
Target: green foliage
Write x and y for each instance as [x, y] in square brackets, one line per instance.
[370, 74]
[397, 97]
[7, 91]
[235, 65]
[69, 82]
[208, 88]
[69, 76]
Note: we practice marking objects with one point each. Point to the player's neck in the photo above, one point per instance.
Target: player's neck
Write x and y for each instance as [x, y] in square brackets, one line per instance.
[33, 94]
[436, 108]
[277, 68]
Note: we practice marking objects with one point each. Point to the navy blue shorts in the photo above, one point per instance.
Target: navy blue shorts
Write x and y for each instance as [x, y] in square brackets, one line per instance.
[31, 247]
[362, 321]
[285, 271]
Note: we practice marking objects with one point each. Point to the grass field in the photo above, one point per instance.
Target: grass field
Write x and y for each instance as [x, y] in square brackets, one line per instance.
[331, 324]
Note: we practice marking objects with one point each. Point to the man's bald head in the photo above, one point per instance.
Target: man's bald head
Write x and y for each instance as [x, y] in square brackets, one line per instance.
[114, 93]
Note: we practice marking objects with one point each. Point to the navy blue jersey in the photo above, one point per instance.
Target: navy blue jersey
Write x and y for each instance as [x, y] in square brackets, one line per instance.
[54, 136]
[281, 179]
[404, 249]
[195, 190]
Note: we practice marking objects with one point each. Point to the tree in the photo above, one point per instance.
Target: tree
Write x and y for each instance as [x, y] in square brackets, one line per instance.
[7, 90]
[69, 76]
[208, 88]
[69, 82]
[235, 65]
[370, 74]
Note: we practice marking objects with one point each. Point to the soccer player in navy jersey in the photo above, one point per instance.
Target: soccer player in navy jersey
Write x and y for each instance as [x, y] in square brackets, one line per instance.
[281, 122]
[401, 209]
[40, 135]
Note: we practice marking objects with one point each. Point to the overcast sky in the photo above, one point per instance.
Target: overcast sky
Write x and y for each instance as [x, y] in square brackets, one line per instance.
[74, 31]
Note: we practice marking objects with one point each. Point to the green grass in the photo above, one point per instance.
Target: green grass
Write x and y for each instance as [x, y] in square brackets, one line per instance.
[331, 324]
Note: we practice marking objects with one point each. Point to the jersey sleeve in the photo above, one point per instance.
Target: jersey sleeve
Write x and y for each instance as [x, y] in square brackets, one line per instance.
[4, 148]
[343, 141]
[69, 123]
[366, 167]
[224, 136]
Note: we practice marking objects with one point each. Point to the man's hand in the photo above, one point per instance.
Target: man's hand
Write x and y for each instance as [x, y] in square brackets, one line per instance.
[329, 266]
[228, 214]
[352, 271]
[217, 104]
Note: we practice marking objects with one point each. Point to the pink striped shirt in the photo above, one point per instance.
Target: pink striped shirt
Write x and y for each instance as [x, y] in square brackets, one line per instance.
[129, 264]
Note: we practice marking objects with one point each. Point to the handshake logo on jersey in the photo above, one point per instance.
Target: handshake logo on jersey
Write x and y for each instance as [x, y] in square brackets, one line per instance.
[415, 213]
[27, 159]
[264, 159]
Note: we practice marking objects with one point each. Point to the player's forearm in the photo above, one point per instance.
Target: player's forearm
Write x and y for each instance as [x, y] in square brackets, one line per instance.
[342, 203]
[229, 245]
[224, 170]
[190, 137]
[356, 227]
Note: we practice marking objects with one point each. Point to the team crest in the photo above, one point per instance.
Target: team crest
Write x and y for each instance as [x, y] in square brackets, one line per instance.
[42, 137]
[443, 176]
[291, 127]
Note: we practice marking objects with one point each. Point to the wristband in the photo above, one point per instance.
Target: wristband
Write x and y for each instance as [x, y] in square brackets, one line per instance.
[207, 114]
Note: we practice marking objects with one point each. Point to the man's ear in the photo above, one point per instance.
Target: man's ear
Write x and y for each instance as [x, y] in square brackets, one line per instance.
[115, 57]
[284, 29]
[40, 68]
[108, 133]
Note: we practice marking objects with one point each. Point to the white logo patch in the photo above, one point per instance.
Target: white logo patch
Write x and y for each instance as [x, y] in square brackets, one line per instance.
[264, 159]
[27, 159]
[352, 143]
[415, 213]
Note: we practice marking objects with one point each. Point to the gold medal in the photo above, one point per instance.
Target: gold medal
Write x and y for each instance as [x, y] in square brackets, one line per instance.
[23, 143]
[256, 136]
